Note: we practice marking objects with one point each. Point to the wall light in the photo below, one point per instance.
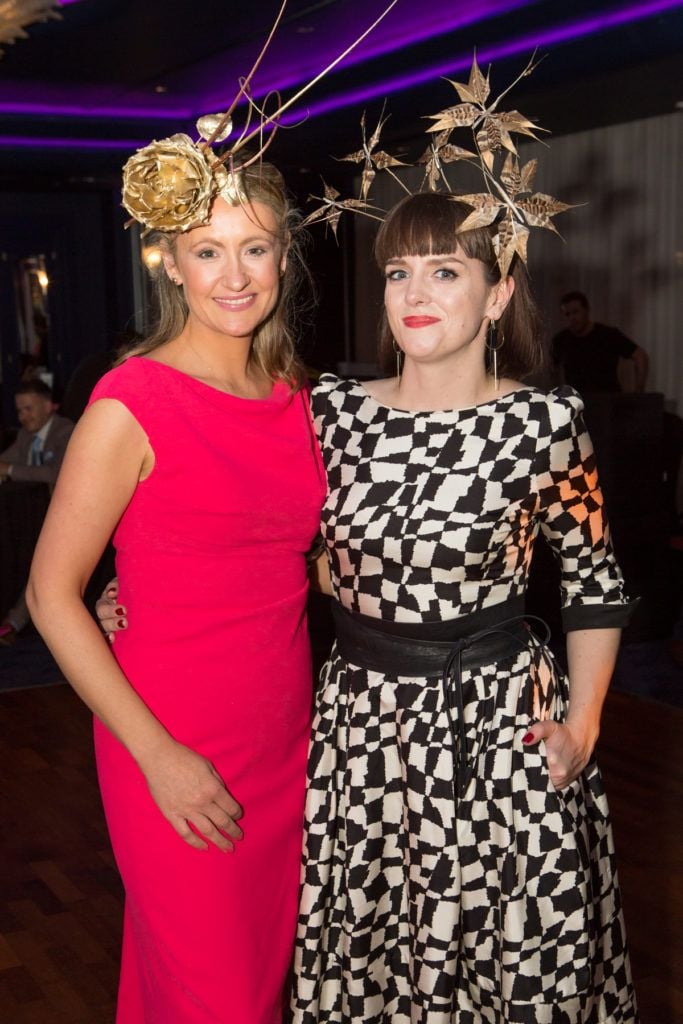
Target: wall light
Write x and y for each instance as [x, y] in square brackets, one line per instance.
[151, 256]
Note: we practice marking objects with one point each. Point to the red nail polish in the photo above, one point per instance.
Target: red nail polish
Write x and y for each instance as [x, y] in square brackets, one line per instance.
[529, 738]
[119, 611]
[121, 623]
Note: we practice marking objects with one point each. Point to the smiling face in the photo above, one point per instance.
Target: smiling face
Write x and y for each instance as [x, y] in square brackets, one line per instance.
[439, 306]
[229, 269]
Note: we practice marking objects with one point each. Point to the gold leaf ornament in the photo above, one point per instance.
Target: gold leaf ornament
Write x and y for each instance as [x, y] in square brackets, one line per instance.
[539, 208]
[373, 161]
[477, 89]
[168, 185]
[230, 186]
[382, 160]
[501, 207]
[489, 138]
[510, 176]
[486, 209]
[527, 175]
[513, 121]
[449, 153]
[463, 115]
[208, 126]
[332, 208]
[511, 240]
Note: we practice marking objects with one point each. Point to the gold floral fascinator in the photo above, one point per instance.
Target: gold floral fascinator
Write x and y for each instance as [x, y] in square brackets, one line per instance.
[170, 184]
[508, 202]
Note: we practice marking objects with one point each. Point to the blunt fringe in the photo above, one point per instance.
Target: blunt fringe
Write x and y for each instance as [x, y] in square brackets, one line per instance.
[428, 224]
[273, 347]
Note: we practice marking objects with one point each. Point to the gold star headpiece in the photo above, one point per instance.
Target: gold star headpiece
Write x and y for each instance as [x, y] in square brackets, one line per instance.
[508, 202]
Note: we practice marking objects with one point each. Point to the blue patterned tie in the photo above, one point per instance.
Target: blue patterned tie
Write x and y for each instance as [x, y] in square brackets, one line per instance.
[36, 453]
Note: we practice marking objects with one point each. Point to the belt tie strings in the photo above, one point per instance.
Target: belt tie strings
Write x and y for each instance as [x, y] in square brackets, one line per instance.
[452, 674]
[451, 683]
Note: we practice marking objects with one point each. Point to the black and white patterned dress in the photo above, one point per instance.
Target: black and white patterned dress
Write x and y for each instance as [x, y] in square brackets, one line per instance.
[502, 905]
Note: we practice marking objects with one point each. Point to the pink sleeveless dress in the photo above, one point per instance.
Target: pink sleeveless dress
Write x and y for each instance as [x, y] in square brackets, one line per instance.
[210, 558]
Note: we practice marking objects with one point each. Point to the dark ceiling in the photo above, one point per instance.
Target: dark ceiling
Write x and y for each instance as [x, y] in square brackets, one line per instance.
[79, 94]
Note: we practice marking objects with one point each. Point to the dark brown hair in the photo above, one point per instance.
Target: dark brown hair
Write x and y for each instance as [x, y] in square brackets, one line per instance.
[574, 297]
[36, 386]
[428, 224]
[273, 348]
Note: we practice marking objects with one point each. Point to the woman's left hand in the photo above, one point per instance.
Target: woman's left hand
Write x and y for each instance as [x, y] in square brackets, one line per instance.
[568, 749]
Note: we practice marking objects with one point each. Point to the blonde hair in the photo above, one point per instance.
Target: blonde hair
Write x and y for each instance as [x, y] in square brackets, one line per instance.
[273, 347]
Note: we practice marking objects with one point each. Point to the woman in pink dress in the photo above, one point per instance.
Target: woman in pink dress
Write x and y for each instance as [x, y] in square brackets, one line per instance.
[198, 452]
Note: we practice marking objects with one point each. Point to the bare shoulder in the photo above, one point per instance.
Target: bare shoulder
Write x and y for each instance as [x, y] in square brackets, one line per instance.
[507, 386]
[107, 417]
[382, 390]
[108, 439]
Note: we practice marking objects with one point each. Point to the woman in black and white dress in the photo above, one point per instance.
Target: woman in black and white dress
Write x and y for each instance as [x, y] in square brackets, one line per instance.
[458, 862]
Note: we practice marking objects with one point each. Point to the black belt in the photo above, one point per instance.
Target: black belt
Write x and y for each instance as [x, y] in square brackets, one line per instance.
[378, 650]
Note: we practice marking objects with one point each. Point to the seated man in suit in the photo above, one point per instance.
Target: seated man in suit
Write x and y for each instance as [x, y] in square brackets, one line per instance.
[36, 455]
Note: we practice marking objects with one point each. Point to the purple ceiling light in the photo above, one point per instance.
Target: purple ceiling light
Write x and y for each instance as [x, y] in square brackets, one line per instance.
[402, 28]
[184, 113]
[524, 45]
[87, 112]
[34, 142]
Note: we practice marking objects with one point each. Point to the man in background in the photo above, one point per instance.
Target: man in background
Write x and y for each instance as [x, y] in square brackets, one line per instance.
[37, 453]
[593, 356]
[34, 457]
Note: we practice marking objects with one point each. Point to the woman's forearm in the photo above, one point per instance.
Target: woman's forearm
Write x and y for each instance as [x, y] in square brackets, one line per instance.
[84, 657]
[591, 656]
[105, 459]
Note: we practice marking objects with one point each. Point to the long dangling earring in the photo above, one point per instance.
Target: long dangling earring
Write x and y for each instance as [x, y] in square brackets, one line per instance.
[494, 346]
[399, 353]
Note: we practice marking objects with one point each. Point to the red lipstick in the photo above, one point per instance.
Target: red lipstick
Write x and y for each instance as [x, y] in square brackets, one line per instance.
[420, 321]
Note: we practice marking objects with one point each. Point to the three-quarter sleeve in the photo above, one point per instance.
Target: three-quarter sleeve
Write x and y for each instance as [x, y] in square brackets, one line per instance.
[572, 518]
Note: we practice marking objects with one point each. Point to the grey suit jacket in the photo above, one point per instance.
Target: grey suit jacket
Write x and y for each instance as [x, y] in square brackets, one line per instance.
[53, 452]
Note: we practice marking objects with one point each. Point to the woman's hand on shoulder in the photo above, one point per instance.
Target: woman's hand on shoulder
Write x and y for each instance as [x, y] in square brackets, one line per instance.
[568, 749]
[192, 797]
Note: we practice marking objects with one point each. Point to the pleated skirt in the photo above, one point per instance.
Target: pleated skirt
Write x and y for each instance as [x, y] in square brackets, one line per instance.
[422, 905]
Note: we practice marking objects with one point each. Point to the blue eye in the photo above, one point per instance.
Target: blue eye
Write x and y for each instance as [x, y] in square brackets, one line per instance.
[395, 275]
[445, 274]
[205, 254]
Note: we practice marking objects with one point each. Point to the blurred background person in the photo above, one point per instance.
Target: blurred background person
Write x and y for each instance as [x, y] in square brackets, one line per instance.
[36, 454]
[593, 356]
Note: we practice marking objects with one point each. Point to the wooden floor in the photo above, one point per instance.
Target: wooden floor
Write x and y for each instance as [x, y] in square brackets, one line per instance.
[60, 898]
